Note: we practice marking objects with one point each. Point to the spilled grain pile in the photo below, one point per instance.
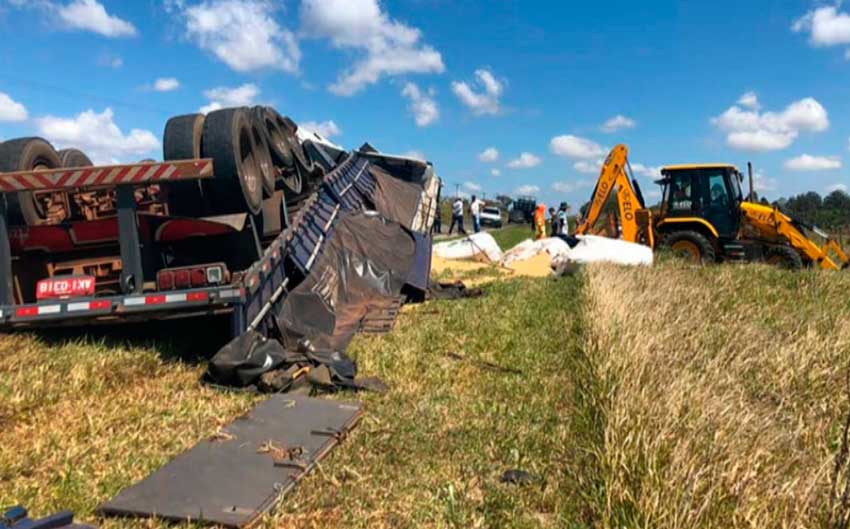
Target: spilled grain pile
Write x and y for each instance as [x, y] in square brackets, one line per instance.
[723, 393]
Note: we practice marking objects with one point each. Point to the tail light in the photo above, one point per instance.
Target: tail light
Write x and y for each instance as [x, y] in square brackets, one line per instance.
[192, 276]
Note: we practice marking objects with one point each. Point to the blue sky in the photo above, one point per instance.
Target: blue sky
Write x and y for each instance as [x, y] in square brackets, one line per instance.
[531, 84]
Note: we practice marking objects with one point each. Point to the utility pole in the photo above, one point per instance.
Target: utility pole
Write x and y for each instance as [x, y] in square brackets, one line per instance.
[457, 190]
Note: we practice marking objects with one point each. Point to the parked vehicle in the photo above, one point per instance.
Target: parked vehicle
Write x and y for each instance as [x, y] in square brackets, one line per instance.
[491, 216]
[522, 210]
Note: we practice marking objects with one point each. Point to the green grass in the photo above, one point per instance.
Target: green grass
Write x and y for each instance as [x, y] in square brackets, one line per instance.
[84, 417]
[666, 396]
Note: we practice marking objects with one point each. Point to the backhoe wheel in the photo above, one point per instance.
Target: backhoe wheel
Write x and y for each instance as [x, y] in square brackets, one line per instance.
[182, 140]
[230, 140]
[74, 158]
[783, 257]
[24, 154]
[690, 245]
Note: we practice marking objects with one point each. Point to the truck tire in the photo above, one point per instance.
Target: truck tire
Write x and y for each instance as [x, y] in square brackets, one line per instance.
[74, 158]
[23, 154]
[182, 137]
[690, 245]
[231, 141]
[783, 257]
[264, 156]
[282, 142]
[182, 140]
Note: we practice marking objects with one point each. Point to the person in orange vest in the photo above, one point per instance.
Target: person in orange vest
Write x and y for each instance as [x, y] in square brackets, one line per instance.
[540, 221]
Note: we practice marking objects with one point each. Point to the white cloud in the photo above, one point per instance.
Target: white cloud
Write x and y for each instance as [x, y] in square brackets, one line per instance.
[526, 160]
[391, 47]
[472, 186]
[11, 110]
[489, 155]
[575, 147]
[224, 97]
[166, 84]
[495, 172]
[527, 190]
[588, 167]
[98, 136]
[618, 122]
[482, 101]
[751, 130]
[326, 129]
[90, 15]
[749, 100]
[569, 187]
[647, 171]
[422, 104]
[763, 183]
[242, 33]
[837, 187]
[808, 162]
[825, 25]
[108, 60]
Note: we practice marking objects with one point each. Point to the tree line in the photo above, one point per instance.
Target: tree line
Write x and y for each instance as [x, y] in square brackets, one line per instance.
[829, 212]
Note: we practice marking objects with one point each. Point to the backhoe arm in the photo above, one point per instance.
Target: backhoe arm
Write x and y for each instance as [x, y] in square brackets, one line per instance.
[613, 176]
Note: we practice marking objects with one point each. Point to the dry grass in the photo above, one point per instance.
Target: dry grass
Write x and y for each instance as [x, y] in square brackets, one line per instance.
[723, 392]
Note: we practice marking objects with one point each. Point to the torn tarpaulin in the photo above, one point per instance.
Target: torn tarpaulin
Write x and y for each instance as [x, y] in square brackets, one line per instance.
[252, 361]
[366, 261]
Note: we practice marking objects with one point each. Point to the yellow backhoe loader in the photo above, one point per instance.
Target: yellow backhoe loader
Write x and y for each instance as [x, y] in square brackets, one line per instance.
[704, 216]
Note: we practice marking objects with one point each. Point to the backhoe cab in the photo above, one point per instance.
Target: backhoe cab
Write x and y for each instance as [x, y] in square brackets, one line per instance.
[704, 216]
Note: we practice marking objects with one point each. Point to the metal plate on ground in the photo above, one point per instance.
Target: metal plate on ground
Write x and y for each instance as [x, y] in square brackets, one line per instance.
[241, 473]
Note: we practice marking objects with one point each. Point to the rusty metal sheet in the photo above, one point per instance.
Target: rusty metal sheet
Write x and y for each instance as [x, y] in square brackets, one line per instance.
[244, 470]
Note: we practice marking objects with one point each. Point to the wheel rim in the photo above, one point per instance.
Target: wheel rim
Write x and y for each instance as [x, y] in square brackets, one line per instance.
[251, 178]
[687, 250]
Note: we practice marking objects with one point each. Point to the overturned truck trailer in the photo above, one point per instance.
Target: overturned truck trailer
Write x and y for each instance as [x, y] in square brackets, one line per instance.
[247, 217]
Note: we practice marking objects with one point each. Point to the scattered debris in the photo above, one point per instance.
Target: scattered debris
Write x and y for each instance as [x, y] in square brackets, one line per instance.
[18, 518]
[453, 290]
[518, 476]
[233, 482]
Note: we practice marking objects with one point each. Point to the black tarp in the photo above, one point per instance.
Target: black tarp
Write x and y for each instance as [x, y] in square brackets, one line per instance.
[367, 260]
[395, 199]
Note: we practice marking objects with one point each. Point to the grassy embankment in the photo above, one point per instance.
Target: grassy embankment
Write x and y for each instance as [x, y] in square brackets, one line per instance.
[660, 397]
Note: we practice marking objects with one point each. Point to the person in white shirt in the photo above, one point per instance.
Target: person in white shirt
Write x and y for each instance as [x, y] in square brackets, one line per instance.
[457, 216]
[475, 209]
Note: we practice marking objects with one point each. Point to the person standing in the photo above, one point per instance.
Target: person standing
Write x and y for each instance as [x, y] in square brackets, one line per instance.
[563, 219]
[475, 209]
[540, 221]
[553, 222]
[457, 216]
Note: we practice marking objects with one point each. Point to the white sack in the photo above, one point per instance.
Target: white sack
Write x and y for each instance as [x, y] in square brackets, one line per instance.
[469, 247]
[527, 249]
[594, 249]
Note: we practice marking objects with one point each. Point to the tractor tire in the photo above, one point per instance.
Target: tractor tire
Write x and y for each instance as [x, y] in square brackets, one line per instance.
[282, 141]
[690, 245]
[24, 154]
[783, 257]
[231, 141]
[74, 158]
[182, 140]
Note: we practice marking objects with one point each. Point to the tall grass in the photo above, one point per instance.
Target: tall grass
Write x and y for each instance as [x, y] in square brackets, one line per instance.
[723, 391]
